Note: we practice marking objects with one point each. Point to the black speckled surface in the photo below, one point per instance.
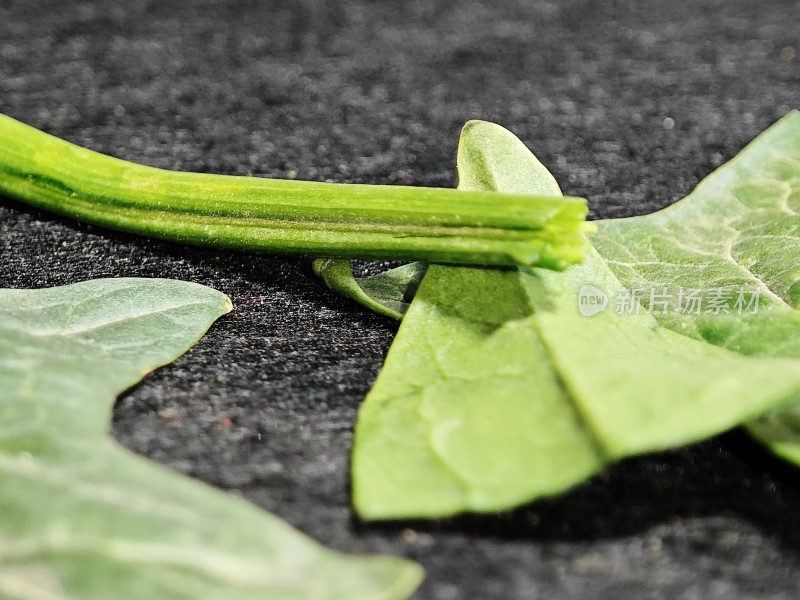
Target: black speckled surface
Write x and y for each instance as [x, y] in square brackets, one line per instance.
[629, 103]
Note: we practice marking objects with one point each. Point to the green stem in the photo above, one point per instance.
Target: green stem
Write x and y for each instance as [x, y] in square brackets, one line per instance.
[273, 215]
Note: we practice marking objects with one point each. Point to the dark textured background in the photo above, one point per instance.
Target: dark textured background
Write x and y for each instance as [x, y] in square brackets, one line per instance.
[629, 103]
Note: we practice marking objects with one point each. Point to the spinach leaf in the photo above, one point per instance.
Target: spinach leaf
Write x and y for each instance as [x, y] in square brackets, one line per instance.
[740, 229]
[84, 518]
[388, 293]
[498, 390]
[453, 420]
[779, 431]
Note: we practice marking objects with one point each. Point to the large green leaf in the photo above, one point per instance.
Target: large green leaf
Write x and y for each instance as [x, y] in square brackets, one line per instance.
[740, 229]
[498, 390]
[81, 517]
[452, 421]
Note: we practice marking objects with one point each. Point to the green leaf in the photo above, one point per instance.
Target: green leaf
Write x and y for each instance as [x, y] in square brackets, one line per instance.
[498, 390]
[388, 293]
[492, 158]
[84, 518]
[779, 431]
[739, 229]
[454, 400]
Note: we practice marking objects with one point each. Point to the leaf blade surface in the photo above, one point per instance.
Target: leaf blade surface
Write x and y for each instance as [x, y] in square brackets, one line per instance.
[634, 383]
[84, 518]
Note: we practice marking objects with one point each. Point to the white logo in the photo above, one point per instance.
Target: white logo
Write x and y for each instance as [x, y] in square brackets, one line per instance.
[591, 300]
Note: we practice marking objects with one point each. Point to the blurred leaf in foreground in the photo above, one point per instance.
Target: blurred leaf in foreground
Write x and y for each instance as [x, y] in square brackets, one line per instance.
[81, 517]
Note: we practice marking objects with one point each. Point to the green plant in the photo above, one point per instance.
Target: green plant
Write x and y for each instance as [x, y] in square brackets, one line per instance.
[505, 392]
[84, 518]
[322, 219]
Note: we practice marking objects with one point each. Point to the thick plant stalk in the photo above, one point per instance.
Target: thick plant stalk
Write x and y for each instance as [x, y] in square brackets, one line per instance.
[272, 215]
